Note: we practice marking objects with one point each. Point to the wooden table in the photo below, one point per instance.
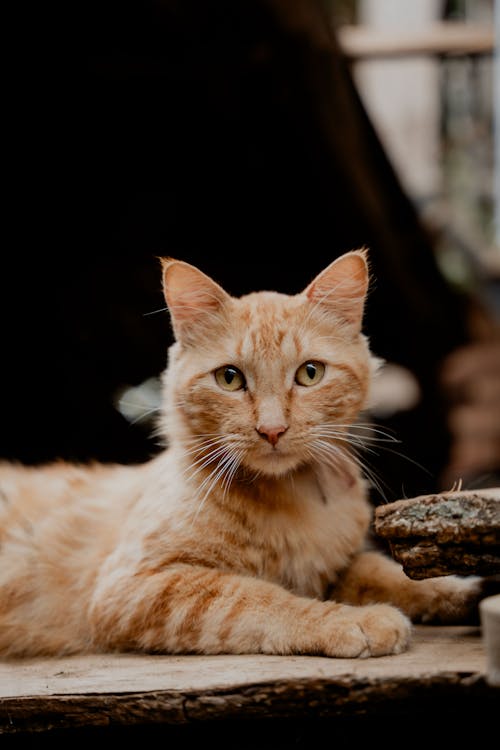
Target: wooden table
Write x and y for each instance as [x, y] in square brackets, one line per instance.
[258, 697]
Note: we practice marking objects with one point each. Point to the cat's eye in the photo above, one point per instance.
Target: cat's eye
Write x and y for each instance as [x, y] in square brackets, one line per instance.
[310, 373]
[230, 378]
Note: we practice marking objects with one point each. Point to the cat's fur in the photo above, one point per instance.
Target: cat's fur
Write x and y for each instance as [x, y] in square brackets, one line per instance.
[248, 532]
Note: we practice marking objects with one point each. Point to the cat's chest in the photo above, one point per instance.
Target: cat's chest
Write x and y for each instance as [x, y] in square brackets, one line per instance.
[300, 545]
[307, 558]
[304, 549]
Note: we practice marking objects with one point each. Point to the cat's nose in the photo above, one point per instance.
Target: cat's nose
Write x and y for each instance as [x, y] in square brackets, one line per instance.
[272, 433]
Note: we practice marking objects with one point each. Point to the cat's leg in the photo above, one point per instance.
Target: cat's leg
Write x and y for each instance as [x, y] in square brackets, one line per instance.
[375, 577]
[195, 609]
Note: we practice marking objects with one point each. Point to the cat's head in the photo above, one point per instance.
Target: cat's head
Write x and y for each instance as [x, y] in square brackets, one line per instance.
[267, 382]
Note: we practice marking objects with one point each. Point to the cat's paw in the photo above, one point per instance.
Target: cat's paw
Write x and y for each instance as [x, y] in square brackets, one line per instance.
[373, 630]
[445, 600]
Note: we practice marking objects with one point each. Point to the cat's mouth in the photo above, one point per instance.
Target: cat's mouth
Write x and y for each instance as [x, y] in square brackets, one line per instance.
[274, 461]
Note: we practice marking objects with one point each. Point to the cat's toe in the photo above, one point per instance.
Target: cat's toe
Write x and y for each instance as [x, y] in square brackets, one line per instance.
[387, 630]
[348, 641]
[374, 630]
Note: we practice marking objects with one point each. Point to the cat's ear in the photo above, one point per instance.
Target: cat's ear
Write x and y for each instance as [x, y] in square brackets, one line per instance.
[196, 303]
[342, 287]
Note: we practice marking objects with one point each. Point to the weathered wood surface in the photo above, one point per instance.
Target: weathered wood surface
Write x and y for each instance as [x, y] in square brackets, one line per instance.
[453, 532]
[99, 690]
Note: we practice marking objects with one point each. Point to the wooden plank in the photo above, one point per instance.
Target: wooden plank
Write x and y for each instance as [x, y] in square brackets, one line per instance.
[441, 39]
[96, 690]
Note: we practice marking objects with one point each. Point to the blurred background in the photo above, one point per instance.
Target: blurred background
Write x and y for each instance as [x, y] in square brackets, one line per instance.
[425, 73]
[258, 140]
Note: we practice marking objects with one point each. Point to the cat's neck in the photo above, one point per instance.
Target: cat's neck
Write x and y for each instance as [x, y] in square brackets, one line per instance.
[312, 481]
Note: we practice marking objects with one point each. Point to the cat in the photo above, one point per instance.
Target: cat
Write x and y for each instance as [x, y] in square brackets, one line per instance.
[248, 532]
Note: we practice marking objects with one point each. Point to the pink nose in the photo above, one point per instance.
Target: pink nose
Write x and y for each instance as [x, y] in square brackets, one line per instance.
[271, 433]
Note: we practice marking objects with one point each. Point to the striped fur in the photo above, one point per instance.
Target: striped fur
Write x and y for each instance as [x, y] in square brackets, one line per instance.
[248, 532]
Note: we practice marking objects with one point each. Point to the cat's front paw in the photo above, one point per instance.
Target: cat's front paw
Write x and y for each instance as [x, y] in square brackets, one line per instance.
[373, 630]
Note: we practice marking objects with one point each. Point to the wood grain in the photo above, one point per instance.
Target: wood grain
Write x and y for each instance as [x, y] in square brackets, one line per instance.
[98, 690]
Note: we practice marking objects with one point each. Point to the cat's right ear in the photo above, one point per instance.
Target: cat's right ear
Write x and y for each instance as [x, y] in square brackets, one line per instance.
[196, 303]
[342, 287]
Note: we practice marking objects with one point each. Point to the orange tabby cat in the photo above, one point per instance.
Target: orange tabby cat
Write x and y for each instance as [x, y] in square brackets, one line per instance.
[248, 533]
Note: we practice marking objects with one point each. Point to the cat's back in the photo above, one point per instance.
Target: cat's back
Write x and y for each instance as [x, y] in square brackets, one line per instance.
[57, 525]
[30, 494]
[59, 512]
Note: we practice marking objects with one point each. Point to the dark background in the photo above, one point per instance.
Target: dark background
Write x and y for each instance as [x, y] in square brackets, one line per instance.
[227, 134]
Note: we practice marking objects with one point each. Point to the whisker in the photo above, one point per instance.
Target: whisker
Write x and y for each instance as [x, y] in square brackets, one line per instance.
[407, 458]
[218, 452]
[144, 415]
[362, 439]
[207, 444]
[367, 432]
[227, 465]
[206, 461]
[154, 312]
[374, 478]
[331, 451]
[232, 471]
[349, 440]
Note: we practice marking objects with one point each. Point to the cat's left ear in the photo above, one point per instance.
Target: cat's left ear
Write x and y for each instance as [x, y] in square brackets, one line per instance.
[342, 287]
[196, 302]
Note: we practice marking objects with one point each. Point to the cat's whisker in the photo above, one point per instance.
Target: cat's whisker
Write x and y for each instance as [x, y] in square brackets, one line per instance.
[367, 431]
[361, 440]
[329, 453]
[207, 459]
[365, 443]
[343, 438]
[374, 432]
[337, 450]
[227, 465]
[374, 478]
[232, 471]
[197, 445]
[334, 455]
[155, 312]
[361, 444]
[207, 444]
[145, 415]
[355, 445]
[202, 436]
[216, 448]
[407, 458]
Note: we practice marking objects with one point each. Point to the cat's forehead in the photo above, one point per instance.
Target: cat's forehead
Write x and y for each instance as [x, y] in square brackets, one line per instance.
[269, 322]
